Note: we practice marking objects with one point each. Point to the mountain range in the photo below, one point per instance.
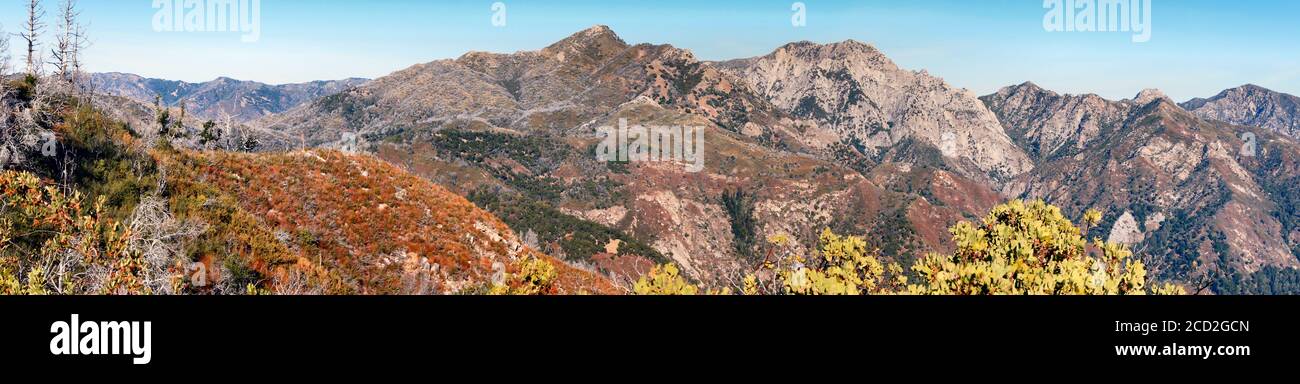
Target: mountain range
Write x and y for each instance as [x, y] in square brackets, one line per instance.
[1186, 192]
[810, 136]
[242, 101]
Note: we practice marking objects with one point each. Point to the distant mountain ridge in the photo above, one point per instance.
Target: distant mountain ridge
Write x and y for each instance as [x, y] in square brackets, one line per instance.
[242, 101]
[1178, 188]
[572, 82]
[1251, 105]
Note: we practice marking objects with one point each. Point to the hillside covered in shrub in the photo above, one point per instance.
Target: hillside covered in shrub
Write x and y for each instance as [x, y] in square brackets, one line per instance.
[105, 207]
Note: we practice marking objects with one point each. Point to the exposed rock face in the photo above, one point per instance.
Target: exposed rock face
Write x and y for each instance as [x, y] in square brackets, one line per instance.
[1048, 125]
[855, 91]
[1172, 184]
[1125, 230]
[1254, 106]
[241, 100]
[553, 100]
[1149, 95]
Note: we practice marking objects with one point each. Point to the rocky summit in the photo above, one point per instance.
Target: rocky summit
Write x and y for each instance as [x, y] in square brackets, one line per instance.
[864, 99]
[1251, 105]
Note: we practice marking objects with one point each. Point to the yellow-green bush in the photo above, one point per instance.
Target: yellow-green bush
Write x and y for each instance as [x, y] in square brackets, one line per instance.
[1031, 248]
[535, 276]
[844, 266]
[40, 226]
[1021, 248]
[664, 280]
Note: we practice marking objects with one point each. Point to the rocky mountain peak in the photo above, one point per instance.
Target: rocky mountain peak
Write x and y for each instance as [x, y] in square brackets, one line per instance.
[846, 52]
[598, 30]
[854, 91]
[1049, 125]
[1246, 92]
[1149, 95]
[1250, 88]
[595, 43]
[1251, 105]
[1024, 90]
[1028, 86]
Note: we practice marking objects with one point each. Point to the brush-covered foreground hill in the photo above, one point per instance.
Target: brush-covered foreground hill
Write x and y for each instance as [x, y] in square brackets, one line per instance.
[115, 213]
[382, 229]
[516, 133]
[1189, 194]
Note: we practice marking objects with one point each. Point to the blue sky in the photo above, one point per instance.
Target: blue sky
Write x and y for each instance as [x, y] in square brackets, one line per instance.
[1197, 48]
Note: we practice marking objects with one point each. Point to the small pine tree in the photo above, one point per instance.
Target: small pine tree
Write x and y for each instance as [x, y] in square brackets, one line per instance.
[163, 117]
[249, 144]
[740, 211]
[178, 128]
[210, 133]
[4, 61]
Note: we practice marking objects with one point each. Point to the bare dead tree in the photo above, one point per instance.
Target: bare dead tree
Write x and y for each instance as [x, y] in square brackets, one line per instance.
[23, 134]
[227, 132]
[4, 62]
[63, 44]
[237, 137]
[161, 240]
[297, 282]
[25, 124]
[8, 148]
[67, 44]
[65, 55]
[32, 34]
[79, 44]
